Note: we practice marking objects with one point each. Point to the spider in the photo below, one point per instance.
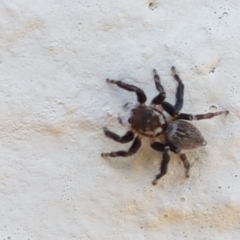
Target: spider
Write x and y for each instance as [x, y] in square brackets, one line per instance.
[174, 133]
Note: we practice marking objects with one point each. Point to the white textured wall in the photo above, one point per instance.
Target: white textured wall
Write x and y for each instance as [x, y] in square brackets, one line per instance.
[54, 59]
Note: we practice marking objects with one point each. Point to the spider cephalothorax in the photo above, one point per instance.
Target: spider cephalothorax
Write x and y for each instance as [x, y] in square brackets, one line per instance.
[173, 134]
[147, 121]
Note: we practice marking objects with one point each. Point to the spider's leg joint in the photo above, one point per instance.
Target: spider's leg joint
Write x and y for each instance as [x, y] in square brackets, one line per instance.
[166, 148]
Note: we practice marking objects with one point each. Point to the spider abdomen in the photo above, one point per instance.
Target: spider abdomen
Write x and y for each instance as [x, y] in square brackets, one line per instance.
[184, 135]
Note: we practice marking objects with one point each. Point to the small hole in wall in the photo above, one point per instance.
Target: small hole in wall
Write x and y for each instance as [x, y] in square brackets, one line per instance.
[165, 216]
[213, 70]
[182, 199]
[225, 14]
[213, 108]
[152, 5]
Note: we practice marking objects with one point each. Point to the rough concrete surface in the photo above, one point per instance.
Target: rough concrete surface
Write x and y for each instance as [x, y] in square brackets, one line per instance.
[54, 59]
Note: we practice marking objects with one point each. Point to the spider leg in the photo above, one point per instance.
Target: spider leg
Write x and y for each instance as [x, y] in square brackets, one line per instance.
[159, 99]
[162, 94]
[164, 165]
[180, 92]
[141, 96]
[191, 117]
[132, 150]
[169, 108]
[160, 147]
[127, 137]
[185, 163]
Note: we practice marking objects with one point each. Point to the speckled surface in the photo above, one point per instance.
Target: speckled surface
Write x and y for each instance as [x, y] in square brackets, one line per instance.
[54, 59]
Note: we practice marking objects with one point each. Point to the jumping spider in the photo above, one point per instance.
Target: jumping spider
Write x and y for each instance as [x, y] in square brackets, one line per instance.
[175, 133]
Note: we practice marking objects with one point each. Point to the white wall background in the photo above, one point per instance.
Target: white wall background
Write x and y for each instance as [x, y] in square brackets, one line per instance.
[54, 59]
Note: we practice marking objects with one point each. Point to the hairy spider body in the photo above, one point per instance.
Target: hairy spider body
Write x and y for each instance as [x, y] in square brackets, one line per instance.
[151, 122]
[184, 135]
[147, 121]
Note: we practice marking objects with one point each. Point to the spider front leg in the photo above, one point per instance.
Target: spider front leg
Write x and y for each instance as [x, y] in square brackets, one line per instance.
[141, 96]
[132, 150]
[169, 108]
[162, 94]
[180, 92]
[191, 117]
